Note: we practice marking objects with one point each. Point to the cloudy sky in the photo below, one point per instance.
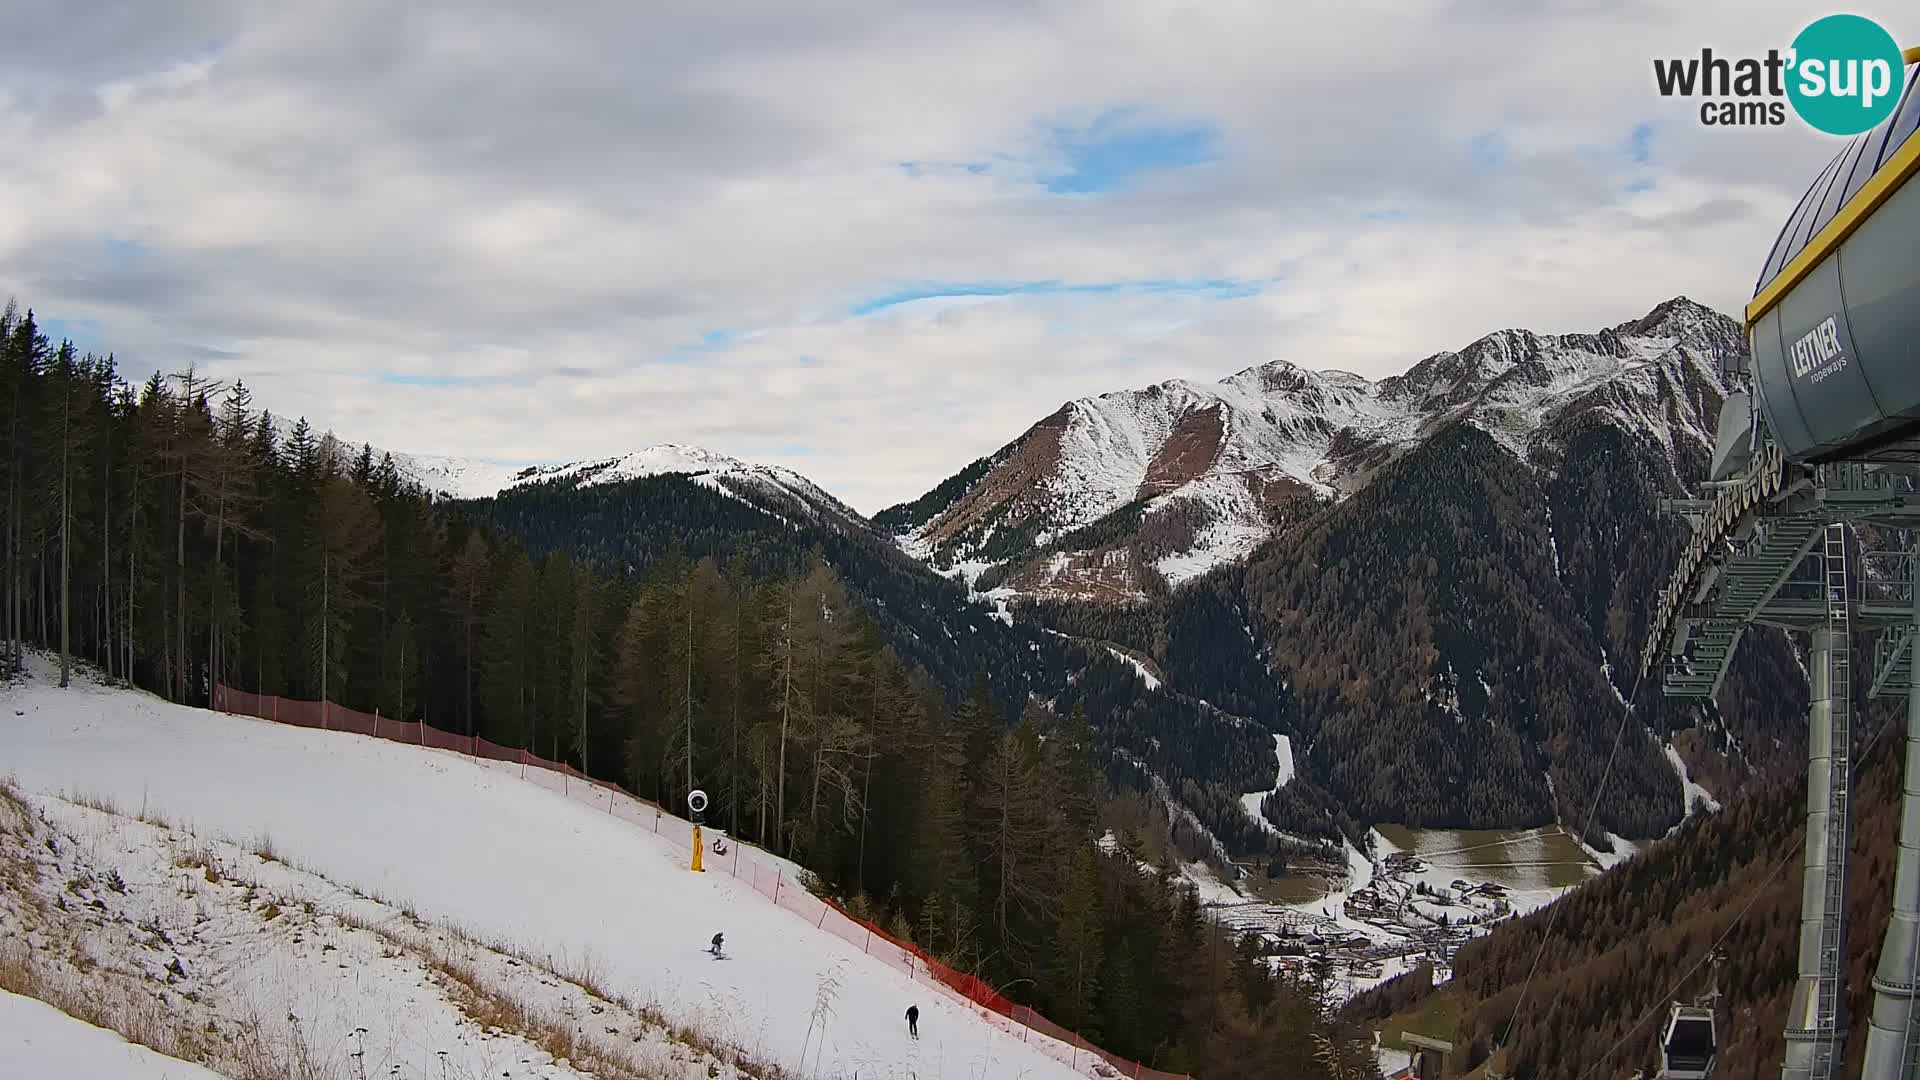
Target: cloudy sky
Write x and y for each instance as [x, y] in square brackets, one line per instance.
[870, 241]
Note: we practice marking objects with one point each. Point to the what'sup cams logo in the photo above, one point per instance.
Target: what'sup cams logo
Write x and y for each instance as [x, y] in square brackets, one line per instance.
[1842, 75]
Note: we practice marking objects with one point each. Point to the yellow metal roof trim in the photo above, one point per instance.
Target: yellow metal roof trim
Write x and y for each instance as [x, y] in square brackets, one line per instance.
[1878, 190]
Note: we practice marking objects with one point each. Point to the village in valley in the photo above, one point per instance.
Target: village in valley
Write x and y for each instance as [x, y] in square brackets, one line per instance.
[1385, 916]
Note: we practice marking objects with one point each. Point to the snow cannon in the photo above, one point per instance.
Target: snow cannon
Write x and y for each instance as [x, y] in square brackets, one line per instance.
[697, 806]
[1834, 323]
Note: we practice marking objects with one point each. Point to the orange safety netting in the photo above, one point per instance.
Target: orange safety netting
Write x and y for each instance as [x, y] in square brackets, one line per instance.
[766, 874]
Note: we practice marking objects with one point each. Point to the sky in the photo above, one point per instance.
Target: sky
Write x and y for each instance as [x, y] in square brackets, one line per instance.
[867, 241]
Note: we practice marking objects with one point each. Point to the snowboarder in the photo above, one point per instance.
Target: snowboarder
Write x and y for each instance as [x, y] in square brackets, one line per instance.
[913, 1021]
[715, 950]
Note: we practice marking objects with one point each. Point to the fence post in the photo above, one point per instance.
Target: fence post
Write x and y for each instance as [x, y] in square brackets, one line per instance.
[823, 917]
[376, 721]
[776, 879]
[323, 715]
[276, 708]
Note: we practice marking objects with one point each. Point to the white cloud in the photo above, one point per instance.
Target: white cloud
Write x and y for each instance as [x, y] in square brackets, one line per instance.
[558, 204]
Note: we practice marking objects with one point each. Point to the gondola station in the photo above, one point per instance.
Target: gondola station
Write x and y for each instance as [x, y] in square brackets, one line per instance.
[1821, 435]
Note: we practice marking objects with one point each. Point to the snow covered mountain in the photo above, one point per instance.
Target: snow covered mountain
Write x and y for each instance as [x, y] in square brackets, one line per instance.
[1121, 492]
[777, 490]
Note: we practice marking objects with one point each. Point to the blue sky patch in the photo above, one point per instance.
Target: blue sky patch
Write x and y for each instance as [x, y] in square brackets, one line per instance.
[397, 379]
[1489, 150]
[121, 252]
[1209, 288]
[1640, 144]
[691, 352]
[917, 169]
[86, 334]
[1120, 146]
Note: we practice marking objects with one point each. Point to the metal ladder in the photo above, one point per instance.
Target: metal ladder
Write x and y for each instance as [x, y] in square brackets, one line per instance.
[1829, 1059]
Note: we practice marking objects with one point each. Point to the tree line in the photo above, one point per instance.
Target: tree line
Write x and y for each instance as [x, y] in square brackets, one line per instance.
[176, 538]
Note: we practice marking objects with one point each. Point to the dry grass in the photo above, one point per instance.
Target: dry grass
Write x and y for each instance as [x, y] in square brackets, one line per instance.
[16, 976]
[248, 1049]
[496, 1008]
[59, 970]
[201, 857]
[147, 1021]
[10, 793]
[95, 802]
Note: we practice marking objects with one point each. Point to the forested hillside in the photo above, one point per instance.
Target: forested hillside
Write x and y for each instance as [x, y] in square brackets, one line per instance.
[1452, 644]
[168, 535]
[1622, 947]
[1207, 754]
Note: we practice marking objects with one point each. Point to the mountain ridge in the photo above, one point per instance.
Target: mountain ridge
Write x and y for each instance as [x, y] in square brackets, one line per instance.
[1569, 435]
[1220, 465]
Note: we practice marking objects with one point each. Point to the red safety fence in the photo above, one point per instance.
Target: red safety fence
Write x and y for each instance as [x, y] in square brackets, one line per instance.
[767, 874]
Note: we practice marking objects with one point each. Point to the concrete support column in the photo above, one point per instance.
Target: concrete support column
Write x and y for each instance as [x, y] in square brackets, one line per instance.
[1810, 1043]
[1891, 1053]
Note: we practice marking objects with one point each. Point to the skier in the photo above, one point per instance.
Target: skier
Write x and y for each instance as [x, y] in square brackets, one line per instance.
[913, 1021]
[715, 950]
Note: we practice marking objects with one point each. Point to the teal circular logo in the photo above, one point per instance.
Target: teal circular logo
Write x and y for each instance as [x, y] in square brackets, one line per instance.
[1845, 74]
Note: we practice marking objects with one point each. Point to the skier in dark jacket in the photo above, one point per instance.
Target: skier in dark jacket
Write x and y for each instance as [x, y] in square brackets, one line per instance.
[716, 944]
[913, 1021]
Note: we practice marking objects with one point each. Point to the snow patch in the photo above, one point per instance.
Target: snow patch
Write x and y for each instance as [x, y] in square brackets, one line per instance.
[1695, 796]
[1283, 758]
[1145, 675]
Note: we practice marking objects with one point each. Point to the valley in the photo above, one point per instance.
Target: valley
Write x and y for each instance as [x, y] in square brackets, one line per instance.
[1329, 532]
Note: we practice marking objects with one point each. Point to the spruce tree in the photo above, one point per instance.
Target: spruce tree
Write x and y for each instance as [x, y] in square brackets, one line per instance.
[467, 584]
[505, 687]
[1077, 951]
[402, 670]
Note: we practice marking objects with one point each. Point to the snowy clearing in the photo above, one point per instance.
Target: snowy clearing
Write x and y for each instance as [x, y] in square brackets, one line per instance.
[1283, 759]
[512, 862]
[1693, 795]
[1145, 675]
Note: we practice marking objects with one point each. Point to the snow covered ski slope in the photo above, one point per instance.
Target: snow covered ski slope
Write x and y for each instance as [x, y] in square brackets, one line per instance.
[473, 845]
[40, 1041]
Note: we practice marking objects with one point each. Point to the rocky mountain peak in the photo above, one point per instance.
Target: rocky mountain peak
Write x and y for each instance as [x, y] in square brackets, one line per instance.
[1200, 470]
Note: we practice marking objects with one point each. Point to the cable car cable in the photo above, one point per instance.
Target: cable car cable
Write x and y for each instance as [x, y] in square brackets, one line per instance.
[1791, 854]
[1555, 907]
